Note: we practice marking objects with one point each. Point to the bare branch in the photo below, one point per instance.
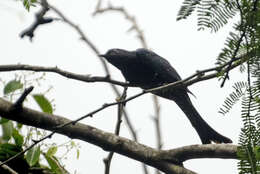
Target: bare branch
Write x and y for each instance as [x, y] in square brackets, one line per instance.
[108, 159]
[84, 78]
[156, 120]
[224, 151]
[18, 104]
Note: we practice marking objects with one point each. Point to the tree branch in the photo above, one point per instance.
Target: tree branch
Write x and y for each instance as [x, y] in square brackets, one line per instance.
[224, 151]
[126, 14]
[70, 75]
[39, 20]
[110, 142]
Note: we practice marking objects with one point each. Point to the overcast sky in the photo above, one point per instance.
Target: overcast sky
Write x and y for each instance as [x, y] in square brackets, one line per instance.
[188, 50]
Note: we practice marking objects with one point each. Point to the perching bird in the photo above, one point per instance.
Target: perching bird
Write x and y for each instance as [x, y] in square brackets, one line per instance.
[146, 69]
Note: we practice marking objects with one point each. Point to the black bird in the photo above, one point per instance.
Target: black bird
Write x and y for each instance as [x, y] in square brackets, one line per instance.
[146, 69]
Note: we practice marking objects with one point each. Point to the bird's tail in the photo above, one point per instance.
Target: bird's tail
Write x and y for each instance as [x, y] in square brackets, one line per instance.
[206, 133]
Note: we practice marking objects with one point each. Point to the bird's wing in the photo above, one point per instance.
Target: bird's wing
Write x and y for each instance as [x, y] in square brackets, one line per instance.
[165, 73]
[161, 67]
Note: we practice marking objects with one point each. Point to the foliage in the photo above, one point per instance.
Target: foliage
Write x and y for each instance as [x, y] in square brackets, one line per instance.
[29, 3]
[43, 102]
[242, 45]
[14, 139]
[239, 91]
[12, 86]
[212, 14]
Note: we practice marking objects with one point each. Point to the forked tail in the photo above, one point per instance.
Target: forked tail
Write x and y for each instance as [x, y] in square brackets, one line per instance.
[206, 133]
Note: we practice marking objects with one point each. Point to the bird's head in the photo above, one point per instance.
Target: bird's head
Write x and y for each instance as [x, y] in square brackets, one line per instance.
[112, 53]
[118, 57]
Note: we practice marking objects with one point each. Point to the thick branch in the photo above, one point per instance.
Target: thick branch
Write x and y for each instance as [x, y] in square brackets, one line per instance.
[106, 141]
[224, 151]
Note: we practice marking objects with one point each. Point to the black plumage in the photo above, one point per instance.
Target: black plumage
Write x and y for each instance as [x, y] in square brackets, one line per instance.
[146, 69]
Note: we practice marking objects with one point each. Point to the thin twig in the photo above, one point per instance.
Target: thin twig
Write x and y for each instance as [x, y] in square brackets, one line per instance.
[157, 121]
[234, 55]
[108, 159]
[127, 15]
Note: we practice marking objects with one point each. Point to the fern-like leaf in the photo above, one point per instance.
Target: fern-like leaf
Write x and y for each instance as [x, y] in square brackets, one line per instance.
[212, 14]
[215, 14]
[230, 50]
[187, 8]
[239, 91]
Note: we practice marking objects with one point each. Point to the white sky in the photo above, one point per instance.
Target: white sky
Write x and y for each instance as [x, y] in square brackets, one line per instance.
[187, 50]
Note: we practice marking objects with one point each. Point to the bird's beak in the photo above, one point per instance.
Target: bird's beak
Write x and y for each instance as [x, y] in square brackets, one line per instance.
[102, 55]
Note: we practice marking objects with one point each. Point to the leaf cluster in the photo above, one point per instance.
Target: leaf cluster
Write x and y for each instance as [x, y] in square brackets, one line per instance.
[242, 45]
[211, 14]
[13, 140]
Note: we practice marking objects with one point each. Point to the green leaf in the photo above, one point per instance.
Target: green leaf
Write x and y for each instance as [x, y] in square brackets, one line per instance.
[8, 150]
[19, 125]
[7, 129]
[54, 164]
[11, 86]
[18, 138]
[3, 120]
[28, 3]
[33, 155]
[257, 152]
[51, 151]
[44, 103]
